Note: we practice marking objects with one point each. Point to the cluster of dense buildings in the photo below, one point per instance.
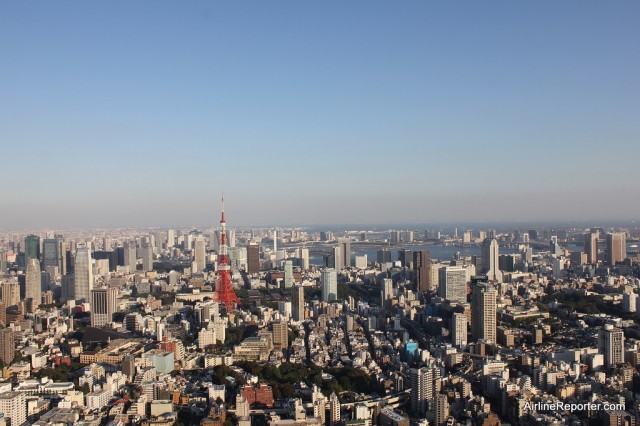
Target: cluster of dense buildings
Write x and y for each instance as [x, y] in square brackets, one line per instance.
[125, 328]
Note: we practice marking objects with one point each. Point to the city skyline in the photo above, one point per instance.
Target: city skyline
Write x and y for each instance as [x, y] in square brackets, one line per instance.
[318, 114]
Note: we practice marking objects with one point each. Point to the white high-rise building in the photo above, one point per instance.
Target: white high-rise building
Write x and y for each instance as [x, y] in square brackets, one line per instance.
[483, 311]
[453, 283]
[104, 303]
[490, 260]
[304, 258]
[611, 345]
[459, 329]
[329, 285]
[33, 282]
[83, 275]
[200, 254]
[171, 238]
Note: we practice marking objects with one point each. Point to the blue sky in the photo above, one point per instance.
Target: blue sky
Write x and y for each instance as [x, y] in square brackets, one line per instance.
[142, 113]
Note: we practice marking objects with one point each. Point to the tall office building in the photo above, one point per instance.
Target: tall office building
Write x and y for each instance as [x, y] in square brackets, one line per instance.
[200, 254]
[421, 270]
[490, 260]
[32, 247]
[453, 283]
[591, 247]
[336, 259]
[104, 303]
[130, 258]
[10, 293]
[7, 346]
[611, 345]
[329, 285]
[52, 254]
[345, 250]
[304, 258]
[253, 258]
[458, 329]
[147, 257]
[383, 256]
[33, 283]
[288, 274]
[405, 257]
[483, 311]
[616, 248]
[3, 262]
[297, 303]
[83, 277]
[275, 240]
[171, 238]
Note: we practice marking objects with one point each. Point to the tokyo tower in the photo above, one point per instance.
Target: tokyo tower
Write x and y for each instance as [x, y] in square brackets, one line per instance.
[224, 289]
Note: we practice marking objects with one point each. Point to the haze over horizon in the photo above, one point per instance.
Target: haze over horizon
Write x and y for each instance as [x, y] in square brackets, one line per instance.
[142, 114]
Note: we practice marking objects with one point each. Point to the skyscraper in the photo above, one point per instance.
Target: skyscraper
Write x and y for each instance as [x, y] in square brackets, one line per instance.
[336, 259]
[253, 258]
[383, 256]
[52, 255]
[453, 283]
[458, 329]
[103, 305]
[147, 257]
[611, 345]
[591, 247]
[297, 303]
[33, 284]
[386, 293]
[83, 274]
[304, 258]
[200, 254]
[483, 311]
[32, 247]
[616, 248]
[171, 238]
[345, 249]
[421, 269]
[288, 274]
[130, 258]
[329, 285]
[490, 260]
[405, 257]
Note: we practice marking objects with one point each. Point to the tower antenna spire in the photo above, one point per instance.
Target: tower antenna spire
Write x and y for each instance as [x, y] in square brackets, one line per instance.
[224, 288]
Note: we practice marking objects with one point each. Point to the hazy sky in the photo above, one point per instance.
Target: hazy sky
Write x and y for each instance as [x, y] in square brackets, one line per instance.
[141, 113]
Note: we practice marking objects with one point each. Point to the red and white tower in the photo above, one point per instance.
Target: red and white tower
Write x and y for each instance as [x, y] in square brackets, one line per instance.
[224, 289]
